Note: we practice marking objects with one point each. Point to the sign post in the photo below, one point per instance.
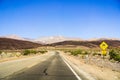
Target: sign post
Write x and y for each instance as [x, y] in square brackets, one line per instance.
[104, 47]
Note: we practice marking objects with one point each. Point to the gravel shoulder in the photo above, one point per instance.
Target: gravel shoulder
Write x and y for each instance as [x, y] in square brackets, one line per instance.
[16, 58]
[99, 73]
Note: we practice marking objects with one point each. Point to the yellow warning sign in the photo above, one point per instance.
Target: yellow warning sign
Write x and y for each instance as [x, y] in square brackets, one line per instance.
[104, 52]
[103, 45]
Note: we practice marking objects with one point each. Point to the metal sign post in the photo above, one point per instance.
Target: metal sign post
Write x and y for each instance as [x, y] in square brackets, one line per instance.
[104, 47]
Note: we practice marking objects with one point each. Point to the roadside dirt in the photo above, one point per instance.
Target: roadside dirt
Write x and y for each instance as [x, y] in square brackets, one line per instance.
[15, 58]
[99, 73]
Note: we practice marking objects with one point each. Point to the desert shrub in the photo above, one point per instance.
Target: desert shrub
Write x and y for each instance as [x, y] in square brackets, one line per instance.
[33, 51]
[85, 53]
[117, 58]
[18, 54]
[0, 52]
[76, 52]
[114, 55]
[94, 53]
[99, 54]
[43, 51]
[26, 52]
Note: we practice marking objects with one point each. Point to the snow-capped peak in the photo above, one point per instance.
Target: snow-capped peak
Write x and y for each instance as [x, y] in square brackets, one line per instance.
[54, 39]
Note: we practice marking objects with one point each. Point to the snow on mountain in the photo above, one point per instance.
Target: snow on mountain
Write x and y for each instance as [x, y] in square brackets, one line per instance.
[54, 39]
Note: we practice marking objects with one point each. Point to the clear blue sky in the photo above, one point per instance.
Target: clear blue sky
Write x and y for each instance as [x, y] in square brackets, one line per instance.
[71, 18]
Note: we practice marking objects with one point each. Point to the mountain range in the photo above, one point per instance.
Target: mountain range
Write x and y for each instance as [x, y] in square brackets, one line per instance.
[54, 39]
[16, 42]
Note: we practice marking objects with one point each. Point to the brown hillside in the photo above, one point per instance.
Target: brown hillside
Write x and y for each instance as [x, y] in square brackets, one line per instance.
[6, 43]
[90, 44]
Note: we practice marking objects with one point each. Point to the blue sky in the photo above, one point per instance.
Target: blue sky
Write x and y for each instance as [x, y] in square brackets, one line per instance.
[71, 18]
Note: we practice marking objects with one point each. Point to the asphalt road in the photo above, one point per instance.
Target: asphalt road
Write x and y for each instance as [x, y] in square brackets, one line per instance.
[53, 68]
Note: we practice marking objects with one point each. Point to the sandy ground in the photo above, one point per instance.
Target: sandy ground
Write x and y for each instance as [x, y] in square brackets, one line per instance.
[15, 58]
[99, 73]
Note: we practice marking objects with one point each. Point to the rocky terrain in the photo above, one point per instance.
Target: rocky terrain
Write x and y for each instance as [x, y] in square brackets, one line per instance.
[12, 44]
[89, 44]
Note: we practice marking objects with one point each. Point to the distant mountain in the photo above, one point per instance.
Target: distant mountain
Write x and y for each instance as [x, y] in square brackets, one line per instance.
[7, 43]
[20, 38]
[13, 37]
[89, 44]
[97, 39]
[54, 39]
[57, 39]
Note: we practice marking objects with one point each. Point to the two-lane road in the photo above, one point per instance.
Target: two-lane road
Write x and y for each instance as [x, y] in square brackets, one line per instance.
[53, 68]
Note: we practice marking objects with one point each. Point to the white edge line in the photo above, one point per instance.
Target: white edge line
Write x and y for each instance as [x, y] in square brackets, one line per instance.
[72, 70]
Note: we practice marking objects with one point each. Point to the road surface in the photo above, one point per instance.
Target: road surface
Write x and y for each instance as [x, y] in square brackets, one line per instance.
[51, 67]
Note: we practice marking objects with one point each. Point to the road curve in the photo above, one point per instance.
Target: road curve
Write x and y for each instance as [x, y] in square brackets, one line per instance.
[53, 68]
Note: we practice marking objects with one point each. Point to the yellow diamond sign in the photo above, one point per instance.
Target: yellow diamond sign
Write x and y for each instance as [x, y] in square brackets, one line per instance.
[103, 45]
